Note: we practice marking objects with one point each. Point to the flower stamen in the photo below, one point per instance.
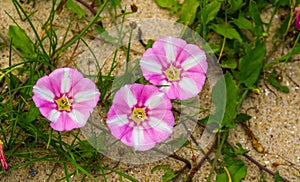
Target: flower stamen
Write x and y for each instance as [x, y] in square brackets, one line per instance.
[138, 115]
[64, 103]
[172, 73]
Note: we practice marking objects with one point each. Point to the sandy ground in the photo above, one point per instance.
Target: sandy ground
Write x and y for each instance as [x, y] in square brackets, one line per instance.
[275, 115]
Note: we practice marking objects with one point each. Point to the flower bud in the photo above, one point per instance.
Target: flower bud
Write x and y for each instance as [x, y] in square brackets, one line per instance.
[2, 157]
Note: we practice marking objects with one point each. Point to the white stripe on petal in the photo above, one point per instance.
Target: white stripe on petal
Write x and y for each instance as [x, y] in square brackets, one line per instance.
[158, 124]
[138, 137]
[77, 116]
[154, 100]
[192, 61]
[66, 81]
[44, 93]
[120, 120]
[54, 115]
[188, 85]
[151, 66]
[169, 50]
[86, 95]
[131, 100]
[165, 86]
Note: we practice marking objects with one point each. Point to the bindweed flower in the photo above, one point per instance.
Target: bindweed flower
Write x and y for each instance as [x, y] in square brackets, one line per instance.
[180, 68]
[297, 19]
[66, 98]
[140, 116]
[2, 157]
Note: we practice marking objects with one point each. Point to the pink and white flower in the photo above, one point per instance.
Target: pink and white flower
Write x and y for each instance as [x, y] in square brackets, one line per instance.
[66, 98]
[140, 116]
[180, 68]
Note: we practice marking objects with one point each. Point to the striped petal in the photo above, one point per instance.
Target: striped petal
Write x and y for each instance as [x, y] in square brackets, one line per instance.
[70, 84]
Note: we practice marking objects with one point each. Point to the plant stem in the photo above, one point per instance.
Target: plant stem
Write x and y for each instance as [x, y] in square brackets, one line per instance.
[220, 143]
[200, 163]
[89, 7]
[78, 36]
[262, 167]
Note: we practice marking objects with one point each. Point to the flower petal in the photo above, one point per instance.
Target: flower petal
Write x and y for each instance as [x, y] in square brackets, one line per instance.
[63, 79]
[53, 115]
[78, 117]
[43, 91]
[141, 142]
[187, 89]
[64, 122]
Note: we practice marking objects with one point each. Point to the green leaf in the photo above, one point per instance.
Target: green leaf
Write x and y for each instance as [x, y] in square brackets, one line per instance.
[75, 8]
[188, 11]
[104, 34]
[169, 173]
[166, 3]
[237, 173]
[149, 43]
[32, 114]
[232, 98]
[251, 64]
[277, 177]
[212, 10]
[115, 3]
[242, 118]
[255, 15]
[22, 42]
[243, 23]
[234, 6]
[219, 102]
[229, 63]
[226, 30]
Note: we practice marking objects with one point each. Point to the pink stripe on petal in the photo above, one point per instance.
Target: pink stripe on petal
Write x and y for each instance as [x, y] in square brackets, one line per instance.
[198, 78]
[171, 91]
[122, 133]
[64, 122]
[158, 124]
[125, 99]
[43, 88]
[157, 135]
[84, 85]
[146, 92]
[155, 100]
[164, 115]
[142, 141]
[152, 57]
[193, 61]
[169, 48]
[63, 79]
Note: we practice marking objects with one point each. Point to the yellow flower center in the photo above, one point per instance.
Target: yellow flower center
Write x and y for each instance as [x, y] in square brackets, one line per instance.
[172, 73]
[64, 103]
[138, 115]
